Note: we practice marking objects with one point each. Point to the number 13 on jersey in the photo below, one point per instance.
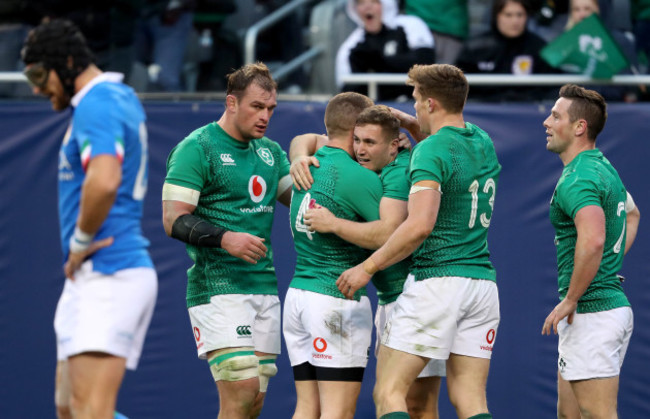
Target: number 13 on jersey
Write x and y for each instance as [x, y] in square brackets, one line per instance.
[488, 190]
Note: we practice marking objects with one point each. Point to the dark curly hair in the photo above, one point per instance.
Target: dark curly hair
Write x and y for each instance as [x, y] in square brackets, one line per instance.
[60, 46]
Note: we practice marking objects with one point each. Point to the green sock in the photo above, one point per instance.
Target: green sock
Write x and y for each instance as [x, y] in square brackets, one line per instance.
[481, 416]
[396, 415]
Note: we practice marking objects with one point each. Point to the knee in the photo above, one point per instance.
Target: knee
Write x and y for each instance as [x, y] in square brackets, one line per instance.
[416, 411]
[256, 408]
[569, 411]
[380, 393]
[63, 411]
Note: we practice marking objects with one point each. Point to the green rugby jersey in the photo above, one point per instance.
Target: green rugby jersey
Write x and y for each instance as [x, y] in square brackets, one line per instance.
[349, 191]
[590, 179]
[238, 183]
[463, 161]
[390, 281]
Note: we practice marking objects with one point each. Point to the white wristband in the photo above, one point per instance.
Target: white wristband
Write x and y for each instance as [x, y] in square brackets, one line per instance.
[80, 240]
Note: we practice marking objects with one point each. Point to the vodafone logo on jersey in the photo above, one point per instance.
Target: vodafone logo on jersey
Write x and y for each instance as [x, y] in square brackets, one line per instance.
[256, 188]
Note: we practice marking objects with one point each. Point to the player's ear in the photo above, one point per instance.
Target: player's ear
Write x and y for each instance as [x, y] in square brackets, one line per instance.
[431, 104]
[394, 146]
[581, 127]
[231, 102]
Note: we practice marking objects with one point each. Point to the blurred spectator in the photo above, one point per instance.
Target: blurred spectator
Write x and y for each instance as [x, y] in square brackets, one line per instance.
[448, 20]
[108, 25]
[641, 22]
[384, 42]
[550, 19]
[215, 49]
[161, 42]
[580, 9]
[14, 15]
[509, 48]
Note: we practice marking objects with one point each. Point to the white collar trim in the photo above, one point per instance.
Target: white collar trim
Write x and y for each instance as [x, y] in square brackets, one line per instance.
[103, 77]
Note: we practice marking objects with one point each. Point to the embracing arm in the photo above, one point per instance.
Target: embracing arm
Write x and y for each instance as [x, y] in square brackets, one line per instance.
[301, 152]
[409, 123]
[423, 209]
[369, 235]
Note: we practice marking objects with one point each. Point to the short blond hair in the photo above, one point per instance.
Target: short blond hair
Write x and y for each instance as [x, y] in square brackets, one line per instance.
[342, 111]
[248, 74]
[444, 82]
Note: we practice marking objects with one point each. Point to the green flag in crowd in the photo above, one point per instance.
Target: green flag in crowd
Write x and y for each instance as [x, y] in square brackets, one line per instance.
[587, 49]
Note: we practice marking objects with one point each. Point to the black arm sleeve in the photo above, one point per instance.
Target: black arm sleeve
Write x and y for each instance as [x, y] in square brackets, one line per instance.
[196, 231]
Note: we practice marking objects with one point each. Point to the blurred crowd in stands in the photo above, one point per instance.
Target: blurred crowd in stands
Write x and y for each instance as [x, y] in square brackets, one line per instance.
[190, 45]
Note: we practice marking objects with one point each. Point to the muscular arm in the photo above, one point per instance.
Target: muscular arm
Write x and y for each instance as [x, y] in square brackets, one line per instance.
[423, 209]
[369, 235]
[409, 123]
[285, 197]
[632, 222]
[590, 224]
[172, 210]
[301, 152]
[245, 246]
[98, 193]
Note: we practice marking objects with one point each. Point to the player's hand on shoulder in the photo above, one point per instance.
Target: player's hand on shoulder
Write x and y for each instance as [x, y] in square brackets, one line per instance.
[244, 246]
[300, 173]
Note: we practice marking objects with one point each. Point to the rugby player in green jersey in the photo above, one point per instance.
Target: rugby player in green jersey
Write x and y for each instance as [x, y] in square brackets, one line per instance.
[449, 308]
[595, 223]
[219, 196]
[328, 336]
[376, 147]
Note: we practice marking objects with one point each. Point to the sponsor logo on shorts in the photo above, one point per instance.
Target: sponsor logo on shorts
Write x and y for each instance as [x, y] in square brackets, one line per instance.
[489, 337]
[244, 331]
[197, 333]
[561, 364]
[320, 345]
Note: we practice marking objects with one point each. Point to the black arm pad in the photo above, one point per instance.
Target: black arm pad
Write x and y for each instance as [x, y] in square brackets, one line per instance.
[196, 231]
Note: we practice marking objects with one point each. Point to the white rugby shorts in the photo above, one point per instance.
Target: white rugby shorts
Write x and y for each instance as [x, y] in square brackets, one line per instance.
[105, 313]
[594, 345]
[434, 368]
[438, 316]
[235, 320]
[327, 331]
